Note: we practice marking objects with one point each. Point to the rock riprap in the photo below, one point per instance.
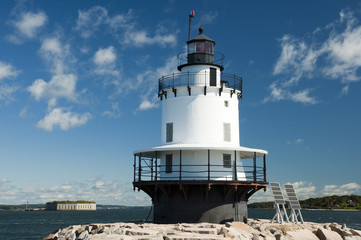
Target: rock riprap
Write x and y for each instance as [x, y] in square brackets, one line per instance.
[255, 229]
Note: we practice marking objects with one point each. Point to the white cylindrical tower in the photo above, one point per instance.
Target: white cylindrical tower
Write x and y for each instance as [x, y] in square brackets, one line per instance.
[200, 172]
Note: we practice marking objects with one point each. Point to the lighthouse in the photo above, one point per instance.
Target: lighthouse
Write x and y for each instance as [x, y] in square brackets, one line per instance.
[199, 172]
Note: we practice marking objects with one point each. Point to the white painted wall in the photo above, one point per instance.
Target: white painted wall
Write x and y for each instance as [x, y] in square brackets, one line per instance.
[197, 161]
[199, 118]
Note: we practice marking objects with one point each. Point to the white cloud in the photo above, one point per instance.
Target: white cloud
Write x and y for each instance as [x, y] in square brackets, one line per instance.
[344, 54]
[102, 191]
[89, 21]
[146, 105]
[29, 23]
[60, 86]
[346, 189]
[27, 26]
[7, 92]
[344, 90]
[304, 189]
[283, 93]
[105, 56]
[146, 80]
[64, 119]
[141, 38]
[57, 55]
[114, 113]
[339, 54]
[4, 180]
[7, 70]
[52, 45]
[23, 112]
[121, 26]
[105, 61]
[302, 97]
[208, 17]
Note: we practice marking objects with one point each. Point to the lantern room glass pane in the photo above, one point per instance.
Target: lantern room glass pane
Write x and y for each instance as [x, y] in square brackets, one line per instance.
[208, 47]
[191, 48]
[200, 47]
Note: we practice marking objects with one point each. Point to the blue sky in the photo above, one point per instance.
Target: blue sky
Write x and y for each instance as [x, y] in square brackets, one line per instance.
[78, 91]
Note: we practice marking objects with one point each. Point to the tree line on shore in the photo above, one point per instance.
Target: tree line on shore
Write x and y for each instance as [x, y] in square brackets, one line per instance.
[328, 202]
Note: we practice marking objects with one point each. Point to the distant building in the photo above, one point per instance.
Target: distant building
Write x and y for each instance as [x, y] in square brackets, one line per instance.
[71, 206]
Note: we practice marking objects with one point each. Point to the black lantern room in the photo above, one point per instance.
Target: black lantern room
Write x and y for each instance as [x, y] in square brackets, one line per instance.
[200, 51]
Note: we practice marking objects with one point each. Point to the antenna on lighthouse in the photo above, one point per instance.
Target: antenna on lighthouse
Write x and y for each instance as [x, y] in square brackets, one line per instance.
[190, 20]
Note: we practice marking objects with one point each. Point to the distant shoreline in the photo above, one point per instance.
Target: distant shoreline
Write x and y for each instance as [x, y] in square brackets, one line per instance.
[322, 209]
[337, 209]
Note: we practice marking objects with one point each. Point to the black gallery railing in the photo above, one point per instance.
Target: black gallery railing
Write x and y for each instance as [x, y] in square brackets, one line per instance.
[248, 170]
[191, 79]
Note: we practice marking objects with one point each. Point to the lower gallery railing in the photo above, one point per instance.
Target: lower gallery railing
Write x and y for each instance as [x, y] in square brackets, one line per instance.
[247, 170]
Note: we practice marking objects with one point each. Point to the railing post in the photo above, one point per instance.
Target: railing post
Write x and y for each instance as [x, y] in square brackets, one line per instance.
[254, 168]
[234, 81]
[241, 87]
[205, 77]
[156, 165]
[173, 81]
[235, 166]
[151, 169]
[188, 79]
[180, 165]
[264, 168]
[135, 166]
[209, 165]
[140, 167]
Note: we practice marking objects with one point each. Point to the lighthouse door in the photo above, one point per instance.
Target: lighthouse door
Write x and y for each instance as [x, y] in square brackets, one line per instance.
[212, 77]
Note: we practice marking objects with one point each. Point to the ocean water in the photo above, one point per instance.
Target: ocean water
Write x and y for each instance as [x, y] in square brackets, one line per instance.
[38, 224]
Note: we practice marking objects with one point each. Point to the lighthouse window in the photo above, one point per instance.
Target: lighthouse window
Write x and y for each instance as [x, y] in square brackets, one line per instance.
[169, 132]
[190, 48]
[168, 163]
[213, 77]
[227, 160]
[226, 103]
[208, 47]
[200, 47]
[227, 132]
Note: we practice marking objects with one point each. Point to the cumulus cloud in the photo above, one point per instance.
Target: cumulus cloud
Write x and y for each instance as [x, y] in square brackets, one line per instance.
[105, 56]
[90, 20]
[52, 46]
[60, 86]
[345, 189]
[57, 55]
[149, 99]
[7, 70]
[7, 90]
[141, 38]
[105, 61]
[121, 26]
[63, 119]
[278, 93]
[339, 56]
[101, 190]
[27, 26]
[146, 105]
[304, 189]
